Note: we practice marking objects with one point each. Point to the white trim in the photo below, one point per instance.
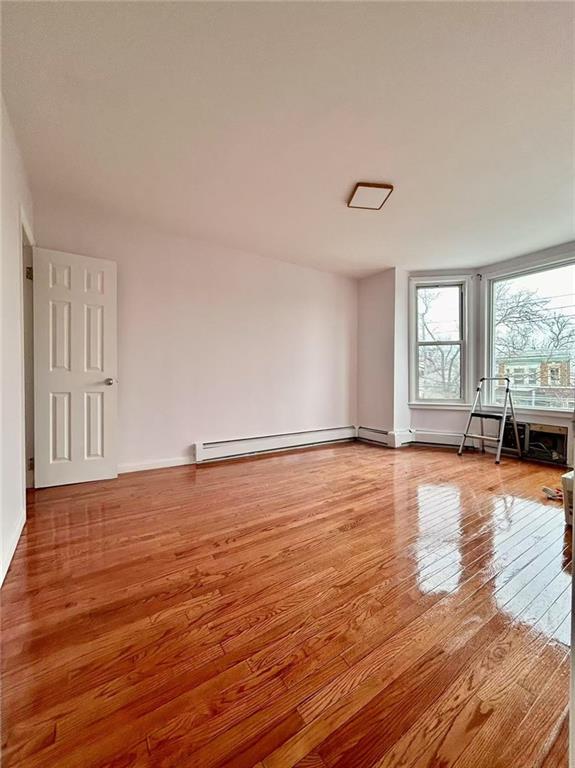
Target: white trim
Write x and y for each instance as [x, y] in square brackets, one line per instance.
[246, 446]
[438, 274]
[542, 261]
[401, 437]
[23, 224]
[467, 335]
[12, 544]
[141, 466]
[531, 262]
[389, 438]
[523, 414]
[440, 406]
[532, 414]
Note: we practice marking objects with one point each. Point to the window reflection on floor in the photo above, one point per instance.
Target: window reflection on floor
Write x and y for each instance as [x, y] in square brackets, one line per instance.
[438, 546]
[535, 586]
[516, 548]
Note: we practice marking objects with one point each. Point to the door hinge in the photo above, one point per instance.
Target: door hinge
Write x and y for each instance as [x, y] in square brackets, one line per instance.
[29, 273]
[31, 463]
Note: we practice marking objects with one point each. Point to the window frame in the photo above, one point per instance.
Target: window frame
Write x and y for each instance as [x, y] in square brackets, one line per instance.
[554, 369]
[463, 282]
[489, 278]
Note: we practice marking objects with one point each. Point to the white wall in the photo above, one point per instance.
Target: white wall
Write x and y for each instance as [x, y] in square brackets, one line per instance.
[16, 201]
[376, 350]
[215, 343]
[441, 420]
[383, 354]
[401, 411]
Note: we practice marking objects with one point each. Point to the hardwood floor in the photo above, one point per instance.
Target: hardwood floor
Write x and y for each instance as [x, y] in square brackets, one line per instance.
[344, 606]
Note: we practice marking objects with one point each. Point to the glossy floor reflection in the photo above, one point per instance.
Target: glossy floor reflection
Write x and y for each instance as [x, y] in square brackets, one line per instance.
[503, 536]
[345, 606]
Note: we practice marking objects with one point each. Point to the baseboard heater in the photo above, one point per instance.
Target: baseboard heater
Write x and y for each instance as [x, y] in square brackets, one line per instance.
[539, 442]
[249, 446]
[391, 439]
[435, 437]
[379, 436]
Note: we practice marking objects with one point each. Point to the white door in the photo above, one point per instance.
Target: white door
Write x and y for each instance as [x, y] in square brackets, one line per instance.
[75, 368]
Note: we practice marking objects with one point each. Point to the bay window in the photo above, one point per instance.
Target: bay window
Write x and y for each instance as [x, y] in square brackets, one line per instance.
[531, 337]
[518, 324]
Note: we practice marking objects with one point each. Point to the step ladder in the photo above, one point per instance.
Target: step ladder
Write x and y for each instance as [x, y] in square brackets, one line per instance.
[477, 413]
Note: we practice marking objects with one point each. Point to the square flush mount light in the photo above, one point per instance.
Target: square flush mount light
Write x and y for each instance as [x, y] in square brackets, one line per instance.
[369, 196]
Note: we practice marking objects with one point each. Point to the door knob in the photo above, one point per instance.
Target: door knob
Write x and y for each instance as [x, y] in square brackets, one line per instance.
[108, 382]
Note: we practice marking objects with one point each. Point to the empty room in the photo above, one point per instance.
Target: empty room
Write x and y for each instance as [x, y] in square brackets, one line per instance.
[288, 384]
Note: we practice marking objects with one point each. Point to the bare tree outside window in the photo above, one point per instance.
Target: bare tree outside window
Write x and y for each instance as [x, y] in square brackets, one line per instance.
[439, 342]
[533, 337]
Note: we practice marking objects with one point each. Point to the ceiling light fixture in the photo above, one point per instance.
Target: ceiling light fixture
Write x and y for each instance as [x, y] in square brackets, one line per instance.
[369, 196]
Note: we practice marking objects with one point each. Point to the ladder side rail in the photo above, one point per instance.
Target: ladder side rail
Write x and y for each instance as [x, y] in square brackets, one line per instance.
[502, 424]
[470, 417]
[515, 429]
[481, 420]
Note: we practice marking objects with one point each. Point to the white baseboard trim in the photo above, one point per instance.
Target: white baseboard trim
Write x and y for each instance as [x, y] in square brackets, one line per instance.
[390, 438]
[12, 544]
[236, 448]
[248, 446]
[401, 437]
[140, 466]
[431, 437]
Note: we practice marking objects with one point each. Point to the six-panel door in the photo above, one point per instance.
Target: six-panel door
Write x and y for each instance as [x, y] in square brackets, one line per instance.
[75, 368]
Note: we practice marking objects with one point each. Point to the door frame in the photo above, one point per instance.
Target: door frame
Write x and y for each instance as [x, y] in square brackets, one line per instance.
[23, 226]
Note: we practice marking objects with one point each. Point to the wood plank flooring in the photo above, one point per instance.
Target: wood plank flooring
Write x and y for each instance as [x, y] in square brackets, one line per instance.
[343, 606]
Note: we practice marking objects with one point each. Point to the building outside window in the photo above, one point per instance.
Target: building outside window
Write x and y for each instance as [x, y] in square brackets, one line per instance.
[532, 339]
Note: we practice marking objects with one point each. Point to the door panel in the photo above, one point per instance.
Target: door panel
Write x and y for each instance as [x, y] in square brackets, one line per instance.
[75, 361]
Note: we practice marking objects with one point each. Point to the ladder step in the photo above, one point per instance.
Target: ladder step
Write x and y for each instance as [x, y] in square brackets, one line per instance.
[502, 418]
[495, 416]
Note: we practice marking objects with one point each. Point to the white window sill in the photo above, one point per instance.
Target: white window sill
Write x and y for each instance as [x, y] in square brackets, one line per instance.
[441, 406]
[531, 412]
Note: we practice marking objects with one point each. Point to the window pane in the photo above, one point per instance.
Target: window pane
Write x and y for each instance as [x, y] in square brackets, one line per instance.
[439, 369]
[438, 313]
[533, 332]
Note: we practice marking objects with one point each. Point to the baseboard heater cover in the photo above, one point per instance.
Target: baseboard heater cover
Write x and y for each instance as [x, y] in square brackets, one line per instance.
[396, 438]
[248, 446]
[436, 438]
[379, 436]
[432, 437]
